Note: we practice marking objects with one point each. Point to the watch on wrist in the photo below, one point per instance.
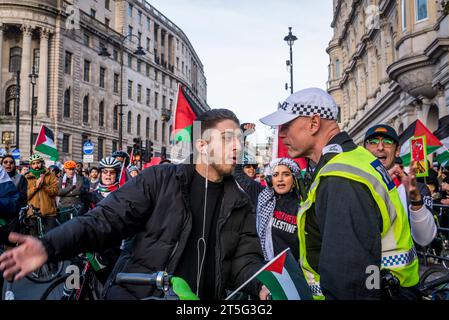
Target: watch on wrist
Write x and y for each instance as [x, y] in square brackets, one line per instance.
[417, 202]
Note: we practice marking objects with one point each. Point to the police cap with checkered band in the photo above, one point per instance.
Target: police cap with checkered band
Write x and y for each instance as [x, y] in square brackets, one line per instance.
[304, 103]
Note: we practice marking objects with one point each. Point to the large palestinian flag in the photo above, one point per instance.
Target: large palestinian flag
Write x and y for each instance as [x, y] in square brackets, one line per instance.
[417, 129]
[45, 143]
[281, 151]
[442, 134]
[185, 113]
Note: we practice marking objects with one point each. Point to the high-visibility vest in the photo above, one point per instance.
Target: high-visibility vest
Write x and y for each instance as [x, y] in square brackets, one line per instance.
[398, 251]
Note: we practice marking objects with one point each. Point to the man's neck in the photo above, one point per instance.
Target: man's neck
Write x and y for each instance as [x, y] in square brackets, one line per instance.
[323, 141]
[208, 172]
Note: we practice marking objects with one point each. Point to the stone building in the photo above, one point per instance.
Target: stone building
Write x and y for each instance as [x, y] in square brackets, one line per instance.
[77, 93]
[389, 63]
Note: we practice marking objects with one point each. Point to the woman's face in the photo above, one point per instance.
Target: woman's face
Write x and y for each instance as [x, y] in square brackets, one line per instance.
[133, 173]
[108, 176]
[282, 180]
[8, 164]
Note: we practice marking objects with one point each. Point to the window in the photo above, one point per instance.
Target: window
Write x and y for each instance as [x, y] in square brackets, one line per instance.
[337, 69]
[139, 66]
[130, 60]
[102, 75]
[177, 63]
[155, 130]
[10, 99]
[163, 79]
[148, 44]
[101, 114]
[115, 55]
[107, 4]
[86, 70]
[147, 71]
[114, 145]
[100, 148]
[66, 143]
[139, 36]
[163, 132]
[139, 93]
[36, 58]
[404, 14]
[116, 81]
[156, 96]
[130, 10]
[130, 30]
[107, 22]
[147, 128]
[139, 16]
[68, 63]
[139, 118]
[148, 97]
[86, 40]
[171, 104]
[86, 109]
[93, 13]
[67, 103]
[115, 118]
[156, 74]
[129, 121]
[130, 89]
[164, 102]
[421, 10]
[148, 24]
[15, 59]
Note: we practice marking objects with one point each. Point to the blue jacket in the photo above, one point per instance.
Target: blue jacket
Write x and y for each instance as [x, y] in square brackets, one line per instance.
[9, 203]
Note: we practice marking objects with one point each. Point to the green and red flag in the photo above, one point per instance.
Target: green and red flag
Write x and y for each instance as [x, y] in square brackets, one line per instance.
[442, 133]
[417, 129]
[184, 117]
[283, 278]
[45, 143]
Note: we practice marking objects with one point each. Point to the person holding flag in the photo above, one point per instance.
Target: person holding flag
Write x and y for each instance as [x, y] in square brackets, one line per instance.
[383, 142]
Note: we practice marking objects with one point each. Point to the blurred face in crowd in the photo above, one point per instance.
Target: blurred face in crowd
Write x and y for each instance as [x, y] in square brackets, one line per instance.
[79, 168]
[69, 172]
[133, 173]
[384, 149]
[94, 174]
[282, 180]
[250, 171]
[222, 145]
[8, 164]
[445, 186]
[120, 159]
[37, 165]
[24, 170]
[108, 176]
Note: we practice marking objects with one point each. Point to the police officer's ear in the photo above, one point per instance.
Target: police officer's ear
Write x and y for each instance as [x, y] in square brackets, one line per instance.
[315, 123]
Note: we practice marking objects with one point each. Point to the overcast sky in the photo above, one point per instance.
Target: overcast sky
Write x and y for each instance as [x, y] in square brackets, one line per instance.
[240, 43]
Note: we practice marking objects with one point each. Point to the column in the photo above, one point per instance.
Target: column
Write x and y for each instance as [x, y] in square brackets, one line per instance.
[442, 101]
[25, 70]
[1, 64]
[43, 74]
[152, 40]
[166, 49]
[159, 42]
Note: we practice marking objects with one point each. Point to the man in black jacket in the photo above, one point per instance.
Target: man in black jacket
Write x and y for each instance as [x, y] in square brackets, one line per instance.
[189, 220]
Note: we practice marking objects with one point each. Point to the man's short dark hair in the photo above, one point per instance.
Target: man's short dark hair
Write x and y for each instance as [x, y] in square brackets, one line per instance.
[94, 168]
[211, 118]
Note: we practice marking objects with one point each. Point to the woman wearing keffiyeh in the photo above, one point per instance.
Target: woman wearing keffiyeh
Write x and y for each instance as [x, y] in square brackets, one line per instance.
[277, 206]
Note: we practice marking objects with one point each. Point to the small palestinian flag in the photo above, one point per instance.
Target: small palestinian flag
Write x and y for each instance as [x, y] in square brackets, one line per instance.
[45, 143]
[283, 278]
[443, 134]
[124, 176]
[185, 113]
[417, 129]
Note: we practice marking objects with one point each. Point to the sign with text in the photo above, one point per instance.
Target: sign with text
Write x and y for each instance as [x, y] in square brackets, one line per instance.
[418, 152]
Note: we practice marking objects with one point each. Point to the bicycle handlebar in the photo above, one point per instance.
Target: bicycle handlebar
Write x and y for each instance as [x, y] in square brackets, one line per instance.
[159, 279]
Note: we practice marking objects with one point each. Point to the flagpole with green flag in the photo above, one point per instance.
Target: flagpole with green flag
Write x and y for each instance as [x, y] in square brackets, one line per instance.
[45, 143]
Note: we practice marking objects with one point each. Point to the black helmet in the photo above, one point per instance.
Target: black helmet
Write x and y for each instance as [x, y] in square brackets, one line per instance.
[122, 154]
[55, 169]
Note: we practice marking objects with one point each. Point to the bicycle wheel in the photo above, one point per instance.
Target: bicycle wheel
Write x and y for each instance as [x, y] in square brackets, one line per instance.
[55, 290]
[430, 275]
[48, 272]
[445, 254]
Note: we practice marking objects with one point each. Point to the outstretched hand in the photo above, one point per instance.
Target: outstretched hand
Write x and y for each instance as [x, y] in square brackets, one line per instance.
[28, 256]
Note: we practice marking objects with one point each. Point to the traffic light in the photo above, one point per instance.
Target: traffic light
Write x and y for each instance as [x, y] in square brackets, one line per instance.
[149, 149]
[164, 153]
[137, 149]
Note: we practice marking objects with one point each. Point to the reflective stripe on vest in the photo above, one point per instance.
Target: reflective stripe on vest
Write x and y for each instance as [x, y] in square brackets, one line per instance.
[399, 259]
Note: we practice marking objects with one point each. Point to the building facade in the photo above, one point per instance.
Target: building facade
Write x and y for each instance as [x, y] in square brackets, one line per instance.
[389, 63]
[77, 93]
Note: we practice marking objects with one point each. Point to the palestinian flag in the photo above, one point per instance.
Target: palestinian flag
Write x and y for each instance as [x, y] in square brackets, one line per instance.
[185, 113]
[442, 134]
[124, 176]
[281, 151]
[417, 129]
[283, 277]
[45, 143]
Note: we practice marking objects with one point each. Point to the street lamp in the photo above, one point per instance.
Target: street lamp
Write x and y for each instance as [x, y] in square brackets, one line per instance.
[17, 107]
[290, 39]
[33, 78]
[104, 53]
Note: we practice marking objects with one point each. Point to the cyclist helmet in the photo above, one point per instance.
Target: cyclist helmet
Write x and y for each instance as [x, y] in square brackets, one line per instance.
[122, 154]
[70, 164]
[35, 157]
[109, 162]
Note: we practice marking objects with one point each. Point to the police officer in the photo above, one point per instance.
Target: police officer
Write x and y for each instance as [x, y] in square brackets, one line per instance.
[353, 221]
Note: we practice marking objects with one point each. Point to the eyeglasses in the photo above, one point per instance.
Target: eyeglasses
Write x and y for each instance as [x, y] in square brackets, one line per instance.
[105, 171]
[387, 142]
[8, 162]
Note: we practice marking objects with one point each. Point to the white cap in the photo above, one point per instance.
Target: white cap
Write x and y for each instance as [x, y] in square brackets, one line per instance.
[304, 103]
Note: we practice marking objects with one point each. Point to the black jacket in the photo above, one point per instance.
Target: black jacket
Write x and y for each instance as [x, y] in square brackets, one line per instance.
[343, 233]
[154, 210]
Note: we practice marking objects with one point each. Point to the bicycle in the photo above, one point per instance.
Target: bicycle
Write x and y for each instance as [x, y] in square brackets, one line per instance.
[89, 286]
[33, 225]
[434, 284]
[438, 251]
[66, 214]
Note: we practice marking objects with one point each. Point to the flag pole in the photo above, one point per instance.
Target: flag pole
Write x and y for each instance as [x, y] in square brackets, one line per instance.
[172, 142]
[256, 274]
